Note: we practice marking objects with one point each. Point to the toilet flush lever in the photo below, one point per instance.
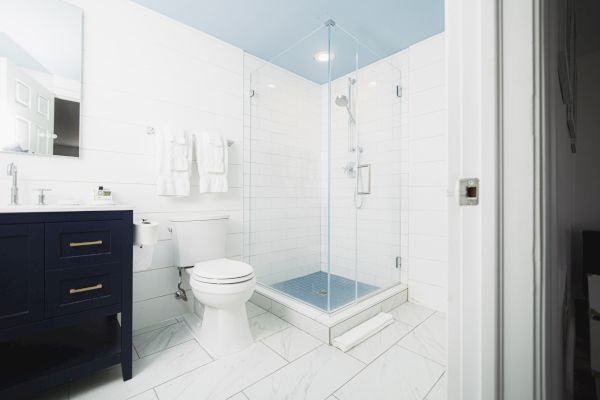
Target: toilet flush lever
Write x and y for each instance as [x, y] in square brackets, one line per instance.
[468, 192]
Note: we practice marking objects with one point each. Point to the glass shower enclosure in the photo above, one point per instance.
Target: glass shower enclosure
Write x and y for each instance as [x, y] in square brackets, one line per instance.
[324, 170]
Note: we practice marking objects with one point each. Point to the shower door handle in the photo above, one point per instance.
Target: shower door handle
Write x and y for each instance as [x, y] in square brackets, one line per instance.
[361, 171]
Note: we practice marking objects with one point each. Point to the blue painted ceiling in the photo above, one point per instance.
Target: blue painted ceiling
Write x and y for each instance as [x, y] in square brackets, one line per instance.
[266, 28]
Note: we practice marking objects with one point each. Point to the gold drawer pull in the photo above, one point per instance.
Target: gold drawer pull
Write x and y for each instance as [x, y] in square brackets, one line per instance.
[80, 244]
[85, 289]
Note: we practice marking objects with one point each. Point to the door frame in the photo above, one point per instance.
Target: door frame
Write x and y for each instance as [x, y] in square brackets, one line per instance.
[495, 281]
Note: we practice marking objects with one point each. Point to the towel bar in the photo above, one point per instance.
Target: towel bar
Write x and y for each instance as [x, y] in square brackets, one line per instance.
[151, 131]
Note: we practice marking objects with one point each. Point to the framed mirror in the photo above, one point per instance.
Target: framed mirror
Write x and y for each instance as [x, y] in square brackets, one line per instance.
[40, 77]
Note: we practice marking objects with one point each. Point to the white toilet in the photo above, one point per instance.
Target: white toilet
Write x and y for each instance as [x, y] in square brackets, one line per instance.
[223, 286]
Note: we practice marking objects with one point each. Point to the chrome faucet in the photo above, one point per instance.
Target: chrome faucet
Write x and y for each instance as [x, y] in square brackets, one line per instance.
[14, 190]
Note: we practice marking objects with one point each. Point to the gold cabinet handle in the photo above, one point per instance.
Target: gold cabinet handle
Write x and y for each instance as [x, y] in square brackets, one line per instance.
[85, 289]
[80, 244]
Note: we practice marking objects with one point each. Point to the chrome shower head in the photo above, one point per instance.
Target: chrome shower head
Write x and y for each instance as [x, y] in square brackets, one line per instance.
[341, 101]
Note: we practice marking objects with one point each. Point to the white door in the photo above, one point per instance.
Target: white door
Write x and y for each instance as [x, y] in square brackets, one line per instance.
[29, 112]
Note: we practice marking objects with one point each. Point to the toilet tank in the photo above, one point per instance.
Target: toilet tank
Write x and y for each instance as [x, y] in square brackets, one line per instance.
[198, 238]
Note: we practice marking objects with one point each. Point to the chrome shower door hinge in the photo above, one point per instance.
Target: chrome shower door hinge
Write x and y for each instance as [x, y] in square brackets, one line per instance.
[398, 262]
[398, 91]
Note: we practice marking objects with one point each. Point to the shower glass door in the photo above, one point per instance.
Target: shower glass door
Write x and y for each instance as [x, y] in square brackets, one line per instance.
[382, 175]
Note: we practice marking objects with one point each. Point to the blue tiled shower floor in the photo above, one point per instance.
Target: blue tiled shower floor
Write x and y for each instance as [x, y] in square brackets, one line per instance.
[312, 289]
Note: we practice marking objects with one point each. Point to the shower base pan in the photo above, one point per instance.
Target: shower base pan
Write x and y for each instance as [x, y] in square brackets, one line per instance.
[314, 319]
[313, 289]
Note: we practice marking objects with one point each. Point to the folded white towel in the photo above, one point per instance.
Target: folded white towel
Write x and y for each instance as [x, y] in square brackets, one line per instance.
[174, 162]
[210, 150]
[180, 157]
[212, 158]
[180, 137]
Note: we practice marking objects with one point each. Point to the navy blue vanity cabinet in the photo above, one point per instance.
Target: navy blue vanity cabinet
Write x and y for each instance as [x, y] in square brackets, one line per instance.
[21, 273]
[65, 297]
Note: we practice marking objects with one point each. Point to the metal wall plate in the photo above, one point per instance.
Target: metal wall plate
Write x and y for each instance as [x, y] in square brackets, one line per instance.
[468, 192]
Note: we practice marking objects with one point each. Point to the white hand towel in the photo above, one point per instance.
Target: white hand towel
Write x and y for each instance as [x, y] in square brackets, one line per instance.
[174, 162]
[181, 152]
[212, 160]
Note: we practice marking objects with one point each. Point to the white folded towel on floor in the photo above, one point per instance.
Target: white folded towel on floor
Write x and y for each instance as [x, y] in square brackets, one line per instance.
[174, 162]
[212, 159]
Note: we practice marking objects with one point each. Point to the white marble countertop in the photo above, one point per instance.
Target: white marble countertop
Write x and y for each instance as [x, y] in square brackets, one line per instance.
[27, 208]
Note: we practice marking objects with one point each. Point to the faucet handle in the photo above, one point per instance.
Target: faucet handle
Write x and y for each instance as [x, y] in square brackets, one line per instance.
[42, 196]
[11, 169]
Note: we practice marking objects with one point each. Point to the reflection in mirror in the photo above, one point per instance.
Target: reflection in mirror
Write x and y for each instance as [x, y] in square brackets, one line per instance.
[40, 77]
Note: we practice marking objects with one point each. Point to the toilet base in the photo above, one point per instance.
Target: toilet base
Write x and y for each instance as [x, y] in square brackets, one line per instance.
[225, 330]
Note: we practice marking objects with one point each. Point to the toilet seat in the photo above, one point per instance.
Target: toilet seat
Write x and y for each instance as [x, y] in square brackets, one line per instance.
[222, 271]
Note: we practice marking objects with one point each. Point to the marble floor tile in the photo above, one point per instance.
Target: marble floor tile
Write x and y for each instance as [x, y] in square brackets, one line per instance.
[265, 325]
[377, 344]
[314, 376]
[397, 374]
[160, 339]
[239, 396]
[147, 373]
[253, 310]
[193, 322]
[428, 339]
[153, 327]
[440, 390]
[224, 377]
[149, 395]
[411, 314]
[292, 343]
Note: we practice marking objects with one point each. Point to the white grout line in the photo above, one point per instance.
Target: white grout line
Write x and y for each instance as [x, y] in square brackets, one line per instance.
[436, 382]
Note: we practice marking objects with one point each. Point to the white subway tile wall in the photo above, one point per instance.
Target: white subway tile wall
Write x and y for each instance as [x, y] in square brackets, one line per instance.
[282, 175]
[428, 173]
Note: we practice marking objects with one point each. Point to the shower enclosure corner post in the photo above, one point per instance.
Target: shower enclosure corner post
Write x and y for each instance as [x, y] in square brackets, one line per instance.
[330, 24]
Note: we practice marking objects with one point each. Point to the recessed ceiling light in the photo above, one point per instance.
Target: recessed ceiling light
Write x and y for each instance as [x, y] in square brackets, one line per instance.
[323, 56]
[271, 86]
[372, 84]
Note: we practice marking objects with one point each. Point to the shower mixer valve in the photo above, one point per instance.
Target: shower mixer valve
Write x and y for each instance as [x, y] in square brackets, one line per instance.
[350, 169]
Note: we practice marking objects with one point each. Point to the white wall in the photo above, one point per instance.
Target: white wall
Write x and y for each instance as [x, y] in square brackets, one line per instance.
[428, 173]
[142, 69]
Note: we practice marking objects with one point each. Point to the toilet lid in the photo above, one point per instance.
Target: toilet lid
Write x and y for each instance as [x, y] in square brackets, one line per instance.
[223, 270]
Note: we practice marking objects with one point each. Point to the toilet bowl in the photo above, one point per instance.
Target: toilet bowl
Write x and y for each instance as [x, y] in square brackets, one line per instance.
[221, 285]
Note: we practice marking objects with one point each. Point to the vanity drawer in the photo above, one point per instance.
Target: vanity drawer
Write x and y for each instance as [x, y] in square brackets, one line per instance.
[71, 244]
[79, 289]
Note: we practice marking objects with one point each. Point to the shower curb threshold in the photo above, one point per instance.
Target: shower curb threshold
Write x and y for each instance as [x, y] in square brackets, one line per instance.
[323, 325]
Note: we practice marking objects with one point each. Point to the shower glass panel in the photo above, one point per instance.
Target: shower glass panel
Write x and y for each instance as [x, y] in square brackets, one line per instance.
[322, 170]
